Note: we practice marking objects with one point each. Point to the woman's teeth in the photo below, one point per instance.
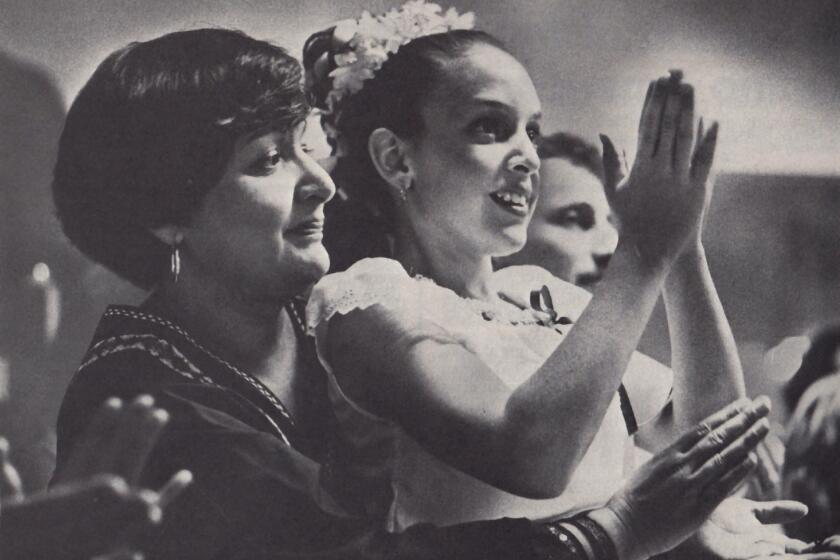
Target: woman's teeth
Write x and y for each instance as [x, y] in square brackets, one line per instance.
[510, 199]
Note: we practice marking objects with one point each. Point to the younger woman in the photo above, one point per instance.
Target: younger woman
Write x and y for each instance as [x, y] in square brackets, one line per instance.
[464, 394]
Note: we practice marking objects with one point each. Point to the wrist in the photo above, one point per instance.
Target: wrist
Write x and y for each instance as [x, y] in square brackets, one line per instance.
[623, 537]
[634, 253]
[690, 265]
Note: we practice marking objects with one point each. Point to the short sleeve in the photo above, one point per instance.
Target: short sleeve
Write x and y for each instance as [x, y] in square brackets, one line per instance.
[409, 307]
[366, 283]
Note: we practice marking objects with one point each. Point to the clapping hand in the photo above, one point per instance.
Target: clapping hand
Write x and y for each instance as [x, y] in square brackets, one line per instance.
[670, 496]
[95, 506]
[662, 202]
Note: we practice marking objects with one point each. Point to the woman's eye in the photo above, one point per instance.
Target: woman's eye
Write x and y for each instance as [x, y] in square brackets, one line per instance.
[490, 129]
[266, 164]
[307, 149]
[533, 132]
[570, 218]
[581, 216]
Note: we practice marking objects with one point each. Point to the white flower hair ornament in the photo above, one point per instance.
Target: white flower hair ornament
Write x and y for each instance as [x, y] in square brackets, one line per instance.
[363, 45]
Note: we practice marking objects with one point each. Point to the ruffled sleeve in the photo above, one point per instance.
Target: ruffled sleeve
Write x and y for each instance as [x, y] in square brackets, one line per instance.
[366, 283]
[409, 307]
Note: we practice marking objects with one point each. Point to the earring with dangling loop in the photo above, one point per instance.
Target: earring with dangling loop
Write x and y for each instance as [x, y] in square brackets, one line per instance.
[404, 191]
[175, 257]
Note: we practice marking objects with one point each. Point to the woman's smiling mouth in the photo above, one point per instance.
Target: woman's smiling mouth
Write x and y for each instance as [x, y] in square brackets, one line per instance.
[514, 201]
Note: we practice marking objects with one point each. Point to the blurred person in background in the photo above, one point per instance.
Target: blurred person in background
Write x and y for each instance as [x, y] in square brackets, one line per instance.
[812, 455]
[822, 358]
[812, 459]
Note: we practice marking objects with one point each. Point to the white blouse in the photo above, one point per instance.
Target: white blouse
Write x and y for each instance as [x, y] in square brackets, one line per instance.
[405, 484]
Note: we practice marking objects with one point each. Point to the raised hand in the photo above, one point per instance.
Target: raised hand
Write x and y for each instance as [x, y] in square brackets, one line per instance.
[661, 203]
[678, 489]
[95, 506]
[117, 441]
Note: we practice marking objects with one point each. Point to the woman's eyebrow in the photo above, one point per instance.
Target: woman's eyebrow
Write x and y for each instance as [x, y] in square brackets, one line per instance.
[502, 106]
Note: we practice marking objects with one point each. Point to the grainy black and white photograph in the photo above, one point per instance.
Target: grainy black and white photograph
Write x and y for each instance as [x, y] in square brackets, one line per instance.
[414, 280]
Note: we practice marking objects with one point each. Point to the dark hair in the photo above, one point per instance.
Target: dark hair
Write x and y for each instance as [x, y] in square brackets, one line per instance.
[812, 456]
[152, 132]
[817, 362]
[574, 149]
[358, 222]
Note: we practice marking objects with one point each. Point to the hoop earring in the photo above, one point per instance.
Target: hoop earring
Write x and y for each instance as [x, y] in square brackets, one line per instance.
[175, 260]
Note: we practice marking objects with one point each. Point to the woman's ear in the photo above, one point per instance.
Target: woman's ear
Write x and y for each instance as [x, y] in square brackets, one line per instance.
[169, 235]
[388, 154]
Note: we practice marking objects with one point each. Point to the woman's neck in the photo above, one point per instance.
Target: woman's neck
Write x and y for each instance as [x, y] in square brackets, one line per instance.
[240, 330]
[467, 275]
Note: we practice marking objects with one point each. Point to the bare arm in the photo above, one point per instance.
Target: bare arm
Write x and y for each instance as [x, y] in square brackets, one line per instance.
[704, 357]
[707, 370]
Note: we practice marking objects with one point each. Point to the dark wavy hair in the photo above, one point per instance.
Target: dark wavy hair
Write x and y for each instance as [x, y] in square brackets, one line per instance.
[152, 132]
[817, 362]
[573, 149]
[812, 459]
[360, 219]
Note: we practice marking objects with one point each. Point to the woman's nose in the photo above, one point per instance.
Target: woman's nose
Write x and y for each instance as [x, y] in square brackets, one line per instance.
[525, 160]
[316, 182]
[605, 246]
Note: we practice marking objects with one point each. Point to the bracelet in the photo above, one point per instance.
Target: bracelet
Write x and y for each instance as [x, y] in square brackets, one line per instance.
[601, 542]
[569, 540]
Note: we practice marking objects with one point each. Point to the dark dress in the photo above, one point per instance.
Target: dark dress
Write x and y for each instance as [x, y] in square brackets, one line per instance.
[255, 469]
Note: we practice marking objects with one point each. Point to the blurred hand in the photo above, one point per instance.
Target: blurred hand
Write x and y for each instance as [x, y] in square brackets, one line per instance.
[661, 204]
[675, 492]
[11, 487]
[95, 506]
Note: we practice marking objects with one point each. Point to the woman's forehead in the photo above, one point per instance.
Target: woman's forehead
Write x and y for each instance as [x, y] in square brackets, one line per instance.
[486, 75]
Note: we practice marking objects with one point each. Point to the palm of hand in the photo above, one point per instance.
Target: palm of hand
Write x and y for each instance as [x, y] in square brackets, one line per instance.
[735, 532]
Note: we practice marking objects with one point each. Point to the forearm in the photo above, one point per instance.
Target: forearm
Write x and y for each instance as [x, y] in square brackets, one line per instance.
[707, 370]
[561, 407]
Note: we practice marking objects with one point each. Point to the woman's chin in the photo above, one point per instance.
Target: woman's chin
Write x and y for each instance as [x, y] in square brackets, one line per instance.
[510, 241]
[308, 266]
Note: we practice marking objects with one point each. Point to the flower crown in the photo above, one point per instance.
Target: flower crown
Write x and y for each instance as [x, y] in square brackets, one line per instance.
[369, 40]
